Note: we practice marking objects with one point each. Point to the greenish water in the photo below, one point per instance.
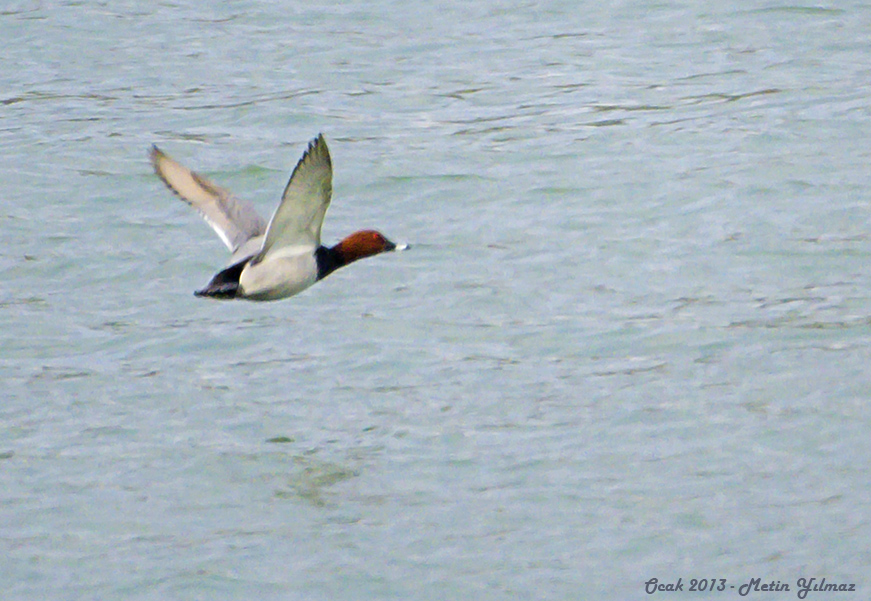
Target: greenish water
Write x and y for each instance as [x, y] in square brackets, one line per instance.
[631, 339]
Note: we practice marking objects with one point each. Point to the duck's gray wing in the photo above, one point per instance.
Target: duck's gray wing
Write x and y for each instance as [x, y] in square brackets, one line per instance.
[297, 220]
[234, 220]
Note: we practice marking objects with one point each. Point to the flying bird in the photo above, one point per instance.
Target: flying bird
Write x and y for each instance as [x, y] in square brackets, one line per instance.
[284, 257]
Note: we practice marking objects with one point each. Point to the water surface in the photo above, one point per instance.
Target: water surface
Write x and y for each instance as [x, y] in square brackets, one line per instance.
[630, 341]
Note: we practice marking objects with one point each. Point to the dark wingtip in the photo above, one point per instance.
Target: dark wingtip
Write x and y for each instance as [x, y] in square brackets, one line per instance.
[317, 146]
[154, 155]
[317, 142]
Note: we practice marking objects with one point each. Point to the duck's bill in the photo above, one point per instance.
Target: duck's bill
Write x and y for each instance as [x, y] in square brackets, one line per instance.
[403, 246]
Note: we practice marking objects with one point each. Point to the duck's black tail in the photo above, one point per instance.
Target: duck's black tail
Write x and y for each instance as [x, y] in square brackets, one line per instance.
[225, 284]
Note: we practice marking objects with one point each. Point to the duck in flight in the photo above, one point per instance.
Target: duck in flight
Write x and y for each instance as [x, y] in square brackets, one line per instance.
[284, 257]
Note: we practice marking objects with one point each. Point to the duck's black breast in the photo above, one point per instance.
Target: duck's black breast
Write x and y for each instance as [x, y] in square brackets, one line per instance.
[328, 261]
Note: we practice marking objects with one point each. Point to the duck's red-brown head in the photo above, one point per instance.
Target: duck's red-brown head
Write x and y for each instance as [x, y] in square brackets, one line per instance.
[359, 245]
[362, 244]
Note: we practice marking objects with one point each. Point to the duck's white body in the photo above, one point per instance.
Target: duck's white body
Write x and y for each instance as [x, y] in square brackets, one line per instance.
[284, 273]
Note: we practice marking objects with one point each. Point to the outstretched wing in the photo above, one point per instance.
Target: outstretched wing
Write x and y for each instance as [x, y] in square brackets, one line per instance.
[297, 220]
[234, 220]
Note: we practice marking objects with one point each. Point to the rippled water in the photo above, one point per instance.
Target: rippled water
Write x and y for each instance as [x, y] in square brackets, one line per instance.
[631, 339]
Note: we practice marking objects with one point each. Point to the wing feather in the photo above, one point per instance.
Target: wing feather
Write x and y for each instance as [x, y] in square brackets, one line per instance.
[297, 220]
[234, 220]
